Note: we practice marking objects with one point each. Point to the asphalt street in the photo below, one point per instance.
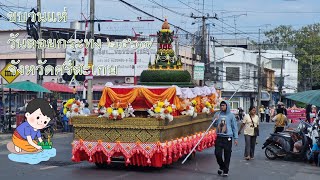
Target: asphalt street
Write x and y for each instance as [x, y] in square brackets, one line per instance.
[203, 166]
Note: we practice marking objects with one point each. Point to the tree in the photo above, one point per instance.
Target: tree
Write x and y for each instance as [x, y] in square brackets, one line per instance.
[306, 41]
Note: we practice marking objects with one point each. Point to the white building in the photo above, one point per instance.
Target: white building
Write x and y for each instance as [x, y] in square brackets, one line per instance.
[237, 70]
[290, 69]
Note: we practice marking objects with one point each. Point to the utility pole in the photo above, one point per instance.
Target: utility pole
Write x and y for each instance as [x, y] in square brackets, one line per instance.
[203, 40]
[281, 79]
[194, 56]
[39, 51]
[177, 44]
[208, 59]
[90, 60]
[259, 75]
[311, 74]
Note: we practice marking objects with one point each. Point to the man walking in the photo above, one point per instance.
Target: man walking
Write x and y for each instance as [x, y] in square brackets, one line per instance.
[227, 129]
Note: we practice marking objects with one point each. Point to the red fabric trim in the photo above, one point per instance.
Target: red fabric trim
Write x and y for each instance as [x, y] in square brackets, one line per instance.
[148, 154]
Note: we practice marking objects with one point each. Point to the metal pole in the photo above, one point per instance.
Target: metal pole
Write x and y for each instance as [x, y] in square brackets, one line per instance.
[215, 63]
[281, 79]
[3, 102]
[135, 66]
[185, 159]
[39, 51]
[203, 49]
[259, 75]
[90, 60]
[9, 109]
[311, 74]
[177, 43]
[193, 56]
[208, 57]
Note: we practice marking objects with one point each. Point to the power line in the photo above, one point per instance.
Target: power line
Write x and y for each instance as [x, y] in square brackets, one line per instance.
[212, 21]
[164, 7]
[138, 9]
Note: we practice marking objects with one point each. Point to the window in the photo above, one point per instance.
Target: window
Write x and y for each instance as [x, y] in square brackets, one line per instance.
[52, 62]
[276, 64]
[234, 102]
[232, 73]
[234, 105]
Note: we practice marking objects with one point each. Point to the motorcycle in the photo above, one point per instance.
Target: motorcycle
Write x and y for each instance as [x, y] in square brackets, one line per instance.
[282, 145]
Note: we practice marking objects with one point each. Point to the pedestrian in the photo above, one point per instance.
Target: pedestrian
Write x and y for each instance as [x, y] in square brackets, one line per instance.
[86, 109]
[240, 113]
[64, 119]
[272, 112]
[281, 121]
[262, 113]
[227, 130]
[308, 111]
[250, 124]
[267, 112]
[315, 153]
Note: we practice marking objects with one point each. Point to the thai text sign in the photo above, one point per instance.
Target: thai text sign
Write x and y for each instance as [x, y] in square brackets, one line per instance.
[121, 59]
[198, 72]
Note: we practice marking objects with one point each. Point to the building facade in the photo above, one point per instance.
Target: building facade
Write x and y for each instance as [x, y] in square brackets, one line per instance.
[238, 75]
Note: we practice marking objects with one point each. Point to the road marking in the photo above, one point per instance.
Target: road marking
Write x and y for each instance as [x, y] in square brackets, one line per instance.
[48, 167]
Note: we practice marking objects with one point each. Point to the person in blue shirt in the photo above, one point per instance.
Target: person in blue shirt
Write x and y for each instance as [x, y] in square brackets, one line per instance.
[86, 109]
[227, 129]
[64, 119]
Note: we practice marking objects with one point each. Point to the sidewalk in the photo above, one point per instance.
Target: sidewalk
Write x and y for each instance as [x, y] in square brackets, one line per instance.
[5, 136]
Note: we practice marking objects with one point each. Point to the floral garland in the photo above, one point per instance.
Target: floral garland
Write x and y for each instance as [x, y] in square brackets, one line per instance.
[208, 108]
[114, 112]
[189, 108]
[73, 108]
[162, 110]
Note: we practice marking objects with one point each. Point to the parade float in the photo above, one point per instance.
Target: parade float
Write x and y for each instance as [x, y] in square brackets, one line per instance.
[154, 123]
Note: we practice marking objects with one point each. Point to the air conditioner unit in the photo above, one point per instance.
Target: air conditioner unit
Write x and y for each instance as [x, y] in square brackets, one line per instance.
[55, 80]
[129, 80]
[60, 80]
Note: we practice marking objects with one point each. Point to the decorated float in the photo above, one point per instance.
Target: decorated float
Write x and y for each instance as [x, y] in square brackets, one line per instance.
[154, 123]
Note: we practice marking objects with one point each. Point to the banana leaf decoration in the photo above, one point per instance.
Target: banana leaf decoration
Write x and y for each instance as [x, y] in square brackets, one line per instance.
[171, 37]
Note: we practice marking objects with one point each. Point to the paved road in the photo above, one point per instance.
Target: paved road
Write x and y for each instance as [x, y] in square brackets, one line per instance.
[204, 166]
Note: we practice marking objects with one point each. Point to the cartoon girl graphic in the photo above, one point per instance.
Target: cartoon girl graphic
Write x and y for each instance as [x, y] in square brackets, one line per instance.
[38, 114]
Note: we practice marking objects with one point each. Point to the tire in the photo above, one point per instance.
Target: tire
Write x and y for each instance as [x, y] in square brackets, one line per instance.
[307, 157]
[269, 154]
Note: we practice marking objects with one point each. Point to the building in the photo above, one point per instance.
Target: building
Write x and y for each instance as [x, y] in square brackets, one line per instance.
[289, 74]
[237, 74]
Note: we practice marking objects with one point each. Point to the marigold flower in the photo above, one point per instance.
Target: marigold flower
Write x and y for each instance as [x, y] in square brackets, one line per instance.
[109, 110]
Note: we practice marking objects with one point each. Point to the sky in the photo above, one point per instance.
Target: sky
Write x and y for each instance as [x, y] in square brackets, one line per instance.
[241, 16]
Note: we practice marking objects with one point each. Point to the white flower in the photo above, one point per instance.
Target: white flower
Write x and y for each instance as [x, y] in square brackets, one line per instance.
[166, 103]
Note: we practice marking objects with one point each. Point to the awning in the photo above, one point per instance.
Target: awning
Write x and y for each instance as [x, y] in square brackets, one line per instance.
[52, 86]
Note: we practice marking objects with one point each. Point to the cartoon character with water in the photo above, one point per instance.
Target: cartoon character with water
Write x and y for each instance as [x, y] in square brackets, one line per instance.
[24, 147]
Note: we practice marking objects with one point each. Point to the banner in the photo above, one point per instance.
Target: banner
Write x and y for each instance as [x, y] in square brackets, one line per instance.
[117, 61]
[296, 114]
